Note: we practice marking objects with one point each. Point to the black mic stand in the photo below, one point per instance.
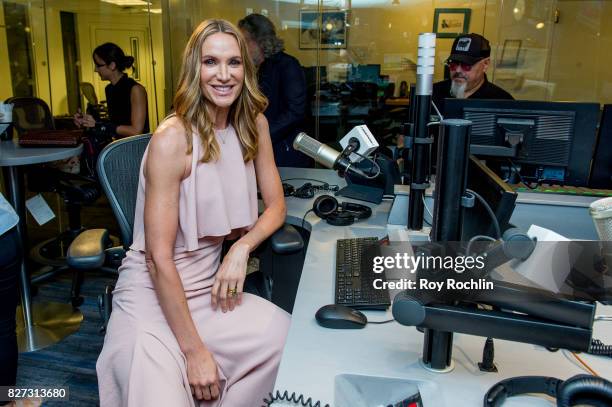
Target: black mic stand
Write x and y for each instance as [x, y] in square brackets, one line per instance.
[449, 198]
[421, 142]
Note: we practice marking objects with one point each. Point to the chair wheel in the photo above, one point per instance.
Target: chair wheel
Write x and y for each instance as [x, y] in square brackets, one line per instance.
[76, 301]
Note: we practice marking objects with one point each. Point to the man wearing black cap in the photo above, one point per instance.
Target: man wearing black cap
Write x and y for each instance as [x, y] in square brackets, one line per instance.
[468, 64]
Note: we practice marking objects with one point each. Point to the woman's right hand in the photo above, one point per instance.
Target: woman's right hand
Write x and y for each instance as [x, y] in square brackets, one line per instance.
[202, 374]
[83, 120]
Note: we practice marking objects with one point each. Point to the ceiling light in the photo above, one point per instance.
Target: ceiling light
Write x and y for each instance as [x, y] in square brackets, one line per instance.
[540, 25]
[127, 2]
[153, 10]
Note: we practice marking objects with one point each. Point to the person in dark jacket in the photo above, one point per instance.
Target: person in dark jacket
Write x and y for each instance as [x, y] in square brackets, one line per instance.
[468, 64]
[282, 80]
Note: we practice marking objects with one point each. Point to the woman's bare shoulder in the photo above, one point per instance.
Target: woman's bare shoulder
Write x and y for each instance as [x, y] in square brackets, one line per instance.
[170, 136]
[261, 121]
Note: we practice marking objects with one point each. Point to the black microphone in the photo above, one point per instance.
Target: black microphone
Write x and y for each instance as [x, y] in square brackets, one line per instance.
[325, 155]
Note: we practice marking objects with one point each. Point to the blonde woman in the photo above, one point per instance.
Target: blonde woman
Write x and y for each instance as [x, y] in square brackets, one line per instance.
[182, 333]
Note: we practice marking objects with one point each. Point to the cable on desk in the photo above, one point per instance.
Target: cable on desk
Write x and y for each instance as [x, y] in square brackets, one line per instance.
[309, 179]
[599, 348]
[295, 399]
[304, 217]
[584, 364]
[381, 322]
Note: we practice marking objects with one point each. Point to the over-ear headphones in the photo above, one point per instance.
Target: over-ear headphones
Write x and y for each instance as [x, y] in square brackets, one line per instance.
[580, 389]
[339, 213]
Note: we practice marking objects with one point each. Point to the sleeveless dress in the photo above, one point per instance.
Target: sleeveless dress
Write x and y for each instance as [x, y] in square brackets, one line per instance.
[141, 363]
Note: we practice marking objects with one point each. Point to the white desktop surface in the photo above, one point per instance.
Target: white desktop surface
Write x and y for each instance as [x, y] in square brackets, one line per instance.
[12, 154]
[314, 356]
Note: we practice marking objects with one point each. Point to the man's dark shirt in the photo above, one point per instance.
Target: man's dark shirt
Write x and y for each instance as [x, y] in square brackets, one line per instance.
[487, 90]
[282, 80]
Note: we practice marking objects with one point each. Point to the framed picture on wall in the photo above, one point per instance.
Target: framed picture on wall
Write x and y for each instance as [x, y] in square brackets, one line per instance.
[333, 29]
[510, 53]
[451, 22]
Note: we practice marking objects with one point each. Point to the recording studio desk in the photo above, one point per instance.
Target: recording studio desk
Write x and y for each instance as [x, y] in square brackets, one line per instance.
[315, 356]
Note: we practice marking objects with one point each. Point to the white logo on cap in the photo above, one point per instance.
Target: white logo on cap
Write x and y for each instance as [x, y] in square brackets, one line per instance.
[463, 44]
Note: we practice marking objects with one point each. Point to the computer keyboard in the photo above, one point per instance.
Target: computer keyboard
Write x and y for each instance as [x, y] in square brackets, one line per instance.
[354, 286]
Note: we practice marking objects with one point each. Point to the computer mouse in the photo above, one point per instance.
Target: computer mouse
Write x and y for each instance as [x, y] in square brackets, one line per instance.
[340, 317]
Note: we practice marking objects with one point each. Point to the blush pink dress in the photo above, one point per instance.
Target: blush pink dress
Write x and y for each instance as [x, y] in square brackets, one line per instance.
[141, 363]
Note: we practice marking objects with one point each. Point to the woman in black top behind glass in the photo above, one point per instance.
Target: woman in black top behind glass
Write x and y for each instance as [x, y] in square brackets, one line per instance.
[126, 98]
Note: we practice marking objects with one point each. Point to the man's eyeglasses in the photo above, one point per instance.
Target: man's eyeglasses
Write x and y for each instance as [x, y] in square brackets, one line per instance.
[453, 65]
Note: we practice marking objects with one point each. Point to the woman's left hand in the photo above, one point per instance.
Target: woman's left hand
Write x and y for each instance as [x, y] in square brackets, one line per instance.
[229, 281]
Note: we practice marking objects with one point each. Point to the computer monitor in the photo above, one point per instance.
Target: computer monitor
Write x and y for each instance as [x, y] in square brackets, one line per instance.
[338, 72]
[498, 194]
[364, 73]
[601, 171]
[545, 141]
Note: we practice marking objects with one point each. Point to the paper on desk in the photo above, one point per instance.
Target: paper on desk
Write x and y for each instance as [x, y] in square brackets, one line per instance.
[551, 261]
[6, 115]
[39, 209]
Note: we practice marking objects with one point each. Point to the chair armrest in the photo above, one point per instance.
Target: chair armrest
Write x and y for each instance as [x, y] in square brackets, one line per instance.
[286, 240]
[87, 250]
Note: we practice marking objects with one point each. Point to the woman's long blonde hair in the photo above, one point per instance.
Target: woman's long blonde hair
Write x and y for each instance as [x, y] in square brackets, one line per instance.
[193, 109]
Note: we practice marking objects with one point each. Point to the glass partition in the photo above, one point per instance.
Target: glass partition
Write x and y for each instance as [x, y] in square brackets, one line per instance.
[555, 50]
[358, 56]
[46, 51]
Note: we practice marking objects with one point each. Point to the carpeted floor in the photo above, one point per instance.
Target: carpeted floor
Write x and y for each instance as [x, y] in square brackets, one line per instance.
[72, 362]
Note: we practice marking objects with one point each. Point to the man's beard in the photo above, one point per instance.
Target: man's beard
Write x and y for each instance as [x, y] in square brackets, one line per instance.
[457, 89]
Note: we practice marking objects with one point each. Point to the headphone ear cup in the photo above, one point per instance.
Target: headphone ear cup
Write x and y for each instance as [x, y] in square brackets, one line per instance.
[340, 218]
[357, 210]
[585, 389]
[325, 205]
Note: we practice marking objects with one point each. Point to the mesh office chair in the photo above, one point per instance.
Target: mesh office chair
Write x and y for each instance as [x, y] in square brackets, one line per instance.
[118, 171]
[30, 113]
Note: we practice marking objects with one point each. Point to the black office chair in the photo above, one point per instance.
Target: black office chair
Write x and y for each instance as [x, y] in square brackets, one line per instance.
[118, 171]
[30, 113]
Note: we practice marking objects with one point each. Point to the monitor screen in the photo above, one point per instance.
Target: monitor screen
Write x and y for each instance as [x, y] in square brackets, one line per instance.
[364, 73]
[500, 197]
[542, 141]
[337, 72]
